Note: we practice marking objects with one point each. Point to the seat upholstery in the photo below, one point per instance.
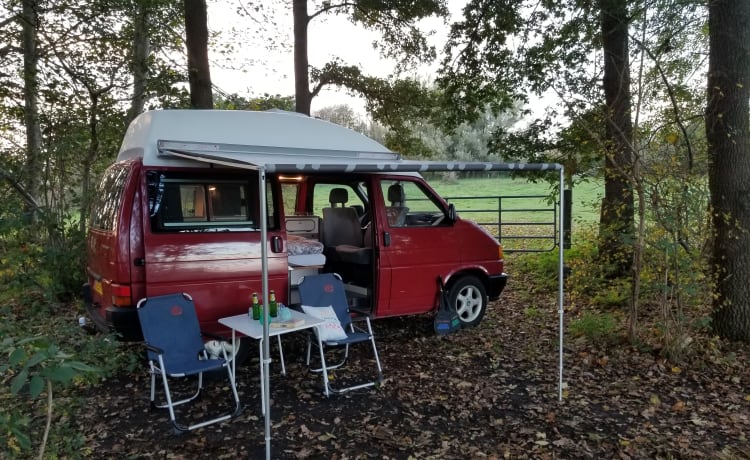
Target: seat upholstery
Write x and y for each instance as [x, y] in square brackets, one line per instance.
[396, 212]
[340, 223]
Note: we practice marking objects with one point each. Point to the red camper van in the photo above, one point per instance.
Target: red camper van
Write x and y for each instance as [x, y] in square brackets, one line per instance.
[180, 211]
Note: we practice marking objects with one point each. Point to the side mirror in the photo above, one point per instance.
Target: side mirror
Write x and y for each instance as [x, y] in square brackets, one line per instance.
[451, 212]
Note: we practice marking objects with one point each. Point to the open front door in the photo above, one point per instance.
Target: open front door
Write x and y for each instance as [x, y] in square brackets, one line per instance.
[417, 243]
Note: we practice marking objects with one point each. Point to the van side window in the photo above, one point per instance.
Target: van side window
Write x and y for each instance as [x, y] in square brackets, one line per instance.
[407, 204]
[108, 198]
[289, 193]
[322, 195]
[207, 205]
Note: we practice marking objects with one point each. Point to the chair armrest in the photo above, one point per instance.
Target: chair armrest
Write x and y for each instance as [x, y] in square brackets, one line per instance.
[154, 349]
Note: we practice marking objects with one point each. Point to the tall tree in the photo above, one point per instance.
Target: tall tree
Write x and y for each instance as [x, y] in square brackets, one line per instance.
[616, 231]
[196, 41]
[728, 134]
[141, 49]
[396, 20]
[303, 96]
[32, 177]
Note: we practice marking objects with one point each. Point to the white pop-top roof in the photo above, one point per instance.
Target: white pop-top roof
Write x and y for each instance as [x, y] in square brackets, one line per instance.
[270, 130]
[277, 141]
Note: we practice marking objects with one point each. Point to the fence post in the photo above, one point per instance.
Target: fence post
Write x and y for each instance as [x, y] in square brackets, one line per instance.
[500, 219]
[567, 220]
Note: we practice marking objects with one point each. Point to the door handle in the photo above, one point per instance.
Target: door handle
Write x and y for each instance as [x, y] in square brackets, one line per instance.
[386, 239]
[276, 244]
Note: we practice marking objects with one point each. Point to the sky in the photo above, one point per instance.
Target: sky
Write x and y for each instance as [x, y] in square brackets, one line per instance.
[262, 67]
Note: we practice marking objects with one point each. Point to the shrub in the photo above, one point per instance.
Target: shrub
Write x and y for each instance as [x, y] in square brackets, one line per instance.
[597, 328]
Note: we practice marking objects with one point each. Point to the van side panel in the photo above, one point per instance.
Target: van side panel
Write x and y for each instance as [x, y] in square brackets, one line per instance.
[220, 271]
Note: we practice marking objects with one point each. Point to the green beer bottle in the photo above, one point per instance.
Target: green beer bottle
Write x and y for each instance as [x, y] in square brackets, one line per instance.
[256, 307]
[273, 307]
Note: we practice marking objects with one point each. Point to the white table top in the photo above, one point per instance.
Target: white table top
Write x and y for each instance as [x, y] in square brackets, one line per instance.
[254, 328]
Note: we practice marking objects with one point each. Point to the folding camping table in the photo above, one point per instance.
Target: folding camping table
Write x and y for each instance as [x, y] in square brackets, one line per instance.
[245, 325]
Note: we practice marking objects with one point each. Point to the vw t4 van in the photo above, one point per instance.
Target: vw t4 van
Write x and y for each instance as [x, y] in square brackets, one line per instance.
[180, 211]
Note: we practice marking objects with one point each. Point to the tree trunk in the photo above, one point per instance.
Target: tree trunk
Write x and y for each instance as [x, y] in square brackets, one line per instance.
[196, 39]
[302, 94]
[141, 52]
[616, 231]
[32, 176]
[727, 126]
[88, 159]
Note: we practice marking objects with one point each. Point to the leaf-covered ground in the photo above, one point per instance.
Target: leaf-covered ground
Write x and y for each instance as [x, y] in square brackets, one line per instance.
[486, 392]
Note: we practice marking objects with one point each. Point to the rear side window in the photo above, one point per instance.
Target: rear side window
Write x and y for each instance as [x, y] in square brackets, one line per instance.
[192, 204]
[108, 198]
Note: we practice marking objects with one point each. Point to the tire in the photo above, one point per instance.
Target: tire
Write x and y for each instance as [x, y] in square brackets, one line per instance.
[469, 297]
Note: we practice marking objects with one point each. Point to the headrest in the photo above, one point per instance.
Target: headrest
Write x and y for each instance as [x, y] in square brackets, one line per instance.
[396, 194]
[338, 195]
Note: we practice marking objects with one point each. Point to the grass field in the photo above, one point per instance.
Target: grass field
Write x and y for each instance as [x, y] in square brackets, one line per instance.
[525, 209]
[586, 197]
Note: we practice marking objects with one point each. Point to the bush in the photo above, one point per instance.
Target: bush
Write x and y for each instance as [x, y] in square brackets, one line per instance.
[597, 328]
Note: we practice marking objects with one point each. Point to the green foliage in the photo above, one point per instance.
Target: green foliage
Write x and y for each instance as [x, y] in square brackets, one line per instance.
[598, 328]
[265, 102]
[36, 364]
[14, 433]
[615, 293]
[42, 346]
[397, 21]
[36, 361]
[45, 257]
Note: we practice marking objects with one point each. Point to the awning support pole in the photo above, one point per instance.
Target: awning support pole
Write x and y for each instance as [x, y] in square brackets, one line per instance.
[264, 267]
[561, 284]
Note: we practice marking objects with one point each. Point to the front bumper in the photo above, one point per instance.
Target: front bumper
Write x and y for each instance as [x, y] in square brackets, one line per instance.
[495, 285]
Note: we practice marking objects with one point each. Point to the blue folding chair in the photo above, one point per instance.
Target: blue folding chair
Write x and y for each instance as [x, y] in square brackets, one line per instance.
[175, 349]
[318, 292]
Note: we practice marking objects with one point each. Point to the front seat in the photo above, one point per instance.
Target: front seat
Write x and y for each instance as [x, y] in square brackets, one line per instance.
[396, 212]
[340, 222]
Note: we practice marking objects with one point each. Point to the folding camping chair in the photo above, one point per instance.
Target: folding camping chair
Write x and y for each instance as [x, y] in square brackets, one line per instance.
[175, 349]
[323, 296]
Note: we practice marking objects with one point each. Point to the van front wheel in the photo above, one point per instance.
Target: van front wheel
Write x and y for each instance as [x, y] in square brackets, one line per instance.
[469, 297]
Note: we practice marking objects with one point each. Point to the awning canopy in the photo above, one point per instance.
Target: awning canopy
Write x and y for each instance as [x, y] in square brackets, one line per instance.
[298, 160]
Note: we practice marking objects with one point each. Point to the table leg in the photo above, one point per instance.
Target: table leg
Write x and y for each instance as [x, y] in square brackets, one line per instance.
[323, 364]
[234, 354]
[281, 356]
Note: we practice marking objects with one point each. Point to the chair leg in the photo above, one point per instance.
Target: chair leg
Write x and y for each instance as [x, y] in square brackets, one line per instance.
[375, 382]
[328, 367]
[154, 405]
